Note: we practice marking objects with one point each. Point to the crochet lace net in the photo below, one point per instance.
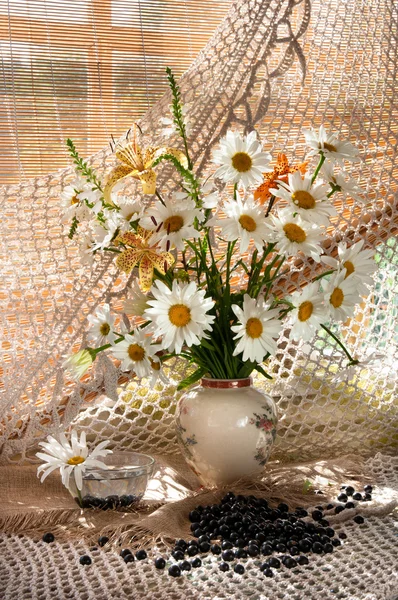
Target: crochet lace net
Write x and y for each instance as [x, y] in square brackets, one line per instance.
[278, 65]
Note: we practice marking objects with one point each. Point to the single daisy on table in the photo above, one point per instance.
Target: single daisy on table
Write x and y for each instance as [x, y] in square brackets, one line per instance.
[341, 296]
[179, 315]
[136, 353]
[257, 330]
[342, 181]
[172, 222]
[245, 220]
[137, 302]
[293, 234]
[242, 159]
[308, 200]
[359, 264]
[309, 312]
[71, 458]
[102, 324]
[329, 146]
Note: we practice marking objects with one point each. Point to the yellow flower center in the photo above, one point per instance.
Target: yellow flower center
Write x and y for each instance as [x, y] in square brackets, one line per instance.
[328, 147]
[242, 162]
[105, 329]
[247, 223]
[303, 199]
[254, 328]
[74, 200]
[294, 233]
[136, 352]
[179, 315]
[76, 460]
[305, 310]
[350, 268]
[155, 365]
[173, 224]
[337, 297]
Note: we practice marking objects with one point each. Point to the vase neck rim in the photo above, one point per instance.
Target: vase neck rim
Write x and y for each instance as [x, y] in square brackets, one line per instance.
[226, 384]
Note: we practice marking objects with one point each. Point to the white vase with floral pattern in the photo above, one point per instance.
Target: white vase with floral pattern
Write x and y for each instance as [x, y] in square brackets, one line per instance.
[226, 429]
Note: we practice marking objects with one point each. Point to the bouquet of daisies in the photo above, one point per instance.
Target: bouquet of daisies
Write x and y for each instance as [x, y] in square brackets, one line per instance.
[207, 263]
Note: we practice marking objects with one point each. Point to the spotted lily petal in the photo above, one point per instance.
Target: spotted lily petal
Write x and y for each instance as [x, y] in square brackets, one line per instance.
[180, 156]
[127, 260]
[118, 173]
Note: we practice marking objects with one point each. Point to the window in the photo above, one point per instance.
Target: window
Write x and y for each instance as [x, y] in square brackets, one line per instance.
[87, 70]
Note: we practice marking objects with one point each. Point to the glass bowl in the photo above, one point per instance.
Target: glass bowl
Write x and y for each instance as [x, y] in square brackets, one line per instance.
[121, 485]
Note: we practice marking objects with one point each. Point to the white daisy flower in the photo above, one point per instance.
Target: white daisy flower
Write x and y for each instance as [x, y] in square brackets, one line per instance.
[170, 127]
[137, 302]
[257, 330]
[86, 249]
[78, 364]
[70, 457]
[329, 146]
[136, 352]
[104, 233]
[211, 197]
[130, 210]
[179, 315]
[245, 220]
[102, 325]
[309, 201]
[172, 222]
[292, 235]
[72, 204]
[359, 264]
[92, 196]
[341, 296]
[157, 375]
[309, 312]
[241, 159]
[343, 181]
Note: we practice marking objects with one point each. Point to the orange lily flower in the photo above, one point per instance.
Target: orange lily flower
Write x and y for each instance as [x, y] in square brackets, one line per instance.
[280, 172]
[138, 164]
[140, 251]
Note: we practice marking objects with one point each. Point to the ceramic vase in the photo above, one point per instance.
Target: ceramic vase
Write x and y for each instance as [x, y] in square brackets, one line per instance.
[226, 429]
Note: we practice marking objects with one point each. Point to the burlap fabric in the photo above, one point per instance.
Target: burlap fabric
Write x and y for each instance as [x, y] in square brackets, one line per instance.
[364, 568]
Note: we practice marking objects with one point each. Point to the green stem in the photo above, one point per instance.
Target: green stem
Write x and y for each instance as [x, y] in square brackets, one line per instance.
[336, 339]
[323, 275]
[322, 160]
[79, 495]
[160, 197]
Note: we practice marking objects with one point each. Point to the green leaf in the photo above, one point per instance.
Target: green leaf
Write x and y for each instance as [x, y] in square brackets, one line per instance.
[261, 370]
[193, 378]
[307, 486]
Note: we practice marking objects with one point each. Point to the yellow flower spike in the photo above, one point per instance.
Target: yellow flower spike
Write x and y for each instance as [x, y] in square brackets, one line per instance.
[140, 251]
[138, 165]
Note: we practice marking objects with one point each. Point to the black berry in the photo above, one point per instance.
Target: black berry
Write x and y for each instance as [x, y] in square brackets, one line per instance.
[224, 566]
[349, 490]
[85, 560]
[349, 505]
[191, 550]
[327, 548]
[177, 554]
[367, 497]
[316, 515]
[102, 540]
[185, 565]
[194, 516]
[129, 558]
[283, 507]
[228, 555]
[204, 547]
[342, 535]
[358, 519]
[342, 498]
[239, 569]
[357, 496]
[196, 562]
[317, 548]
[226, 545]
[329, 532]
[160, 563]
[241, 553]
[268, 573]
[289, 562]
[305, 545]
[48, 538]
[338, 509]
[302, 560]
[253, 550]
[215, 548]
[368, 489]
[181, 544]
[174, 571]
[141, 555]
[336, 542]
[125, 552]
[274, 562]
